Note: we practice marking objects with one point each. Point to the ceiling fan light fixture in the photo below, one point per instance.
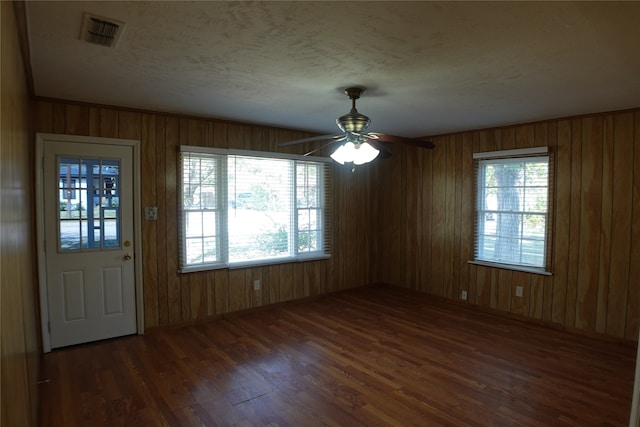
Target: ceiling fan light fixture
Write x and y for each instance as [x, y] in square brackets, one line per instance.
[358, 154]
[357, 147]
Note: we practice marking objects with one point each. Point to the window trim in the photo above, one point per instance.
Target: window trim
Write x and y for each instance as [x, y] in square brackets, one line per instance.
[532, 152]
[224, 263]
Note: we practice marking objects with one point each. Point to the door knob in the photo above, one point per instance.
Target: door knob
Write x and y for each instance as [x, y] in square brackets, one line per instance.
[127, 256]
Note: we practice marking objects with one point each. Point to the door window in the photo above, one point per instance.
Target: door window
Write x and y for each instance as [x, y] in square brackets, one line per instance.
[89, 211]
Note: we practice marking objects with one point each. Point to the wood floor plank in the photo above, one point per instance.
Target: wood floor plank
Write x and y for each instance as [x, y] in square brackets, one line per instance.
[378, 355]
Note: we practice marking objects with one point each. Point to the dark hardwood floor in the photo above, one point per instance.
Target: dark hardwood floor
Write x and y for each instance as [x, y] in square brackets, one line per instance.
[372, 356]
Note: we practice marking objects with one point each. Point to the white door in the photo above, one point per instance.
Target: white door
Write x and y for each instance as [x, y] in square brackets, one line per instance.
[88, 221]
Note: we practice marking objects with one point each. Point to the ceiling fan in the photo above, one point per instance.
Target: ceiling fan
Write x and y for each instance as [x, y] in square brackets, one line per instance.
[357, 147]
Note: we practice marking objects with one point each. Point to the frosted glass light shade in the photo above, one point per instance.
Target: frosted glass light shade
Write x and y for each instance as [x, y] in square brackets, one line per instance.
[356, 154]
[344, 153]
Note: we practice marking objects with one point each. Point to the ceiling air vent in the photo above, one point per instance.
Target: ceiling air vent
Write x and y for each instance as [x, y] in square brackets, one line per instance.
[100, 30]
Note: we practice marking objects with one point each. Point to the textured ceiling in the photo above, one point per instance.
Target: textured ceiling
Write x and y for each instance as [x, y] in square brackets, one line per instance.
[429, 67]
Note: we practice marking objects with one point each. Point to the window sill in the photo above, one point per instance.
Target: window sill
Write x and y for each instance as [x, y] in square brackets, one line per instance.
[534, 270]
[250, 264]
[274, 261]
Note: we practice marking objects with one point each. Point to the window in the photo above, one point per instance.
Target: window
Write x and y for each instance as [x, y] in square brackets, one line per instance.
[245, 208]
[513, 209]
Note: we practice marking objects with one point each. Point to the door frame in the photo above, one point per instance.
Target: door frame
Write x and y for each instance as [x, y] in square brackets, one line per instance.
[634, 419]
[41, 140]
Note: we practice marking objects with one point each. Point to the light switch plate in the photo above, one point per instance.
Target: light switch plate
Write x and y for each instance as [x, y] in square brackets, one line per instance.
[151, 213]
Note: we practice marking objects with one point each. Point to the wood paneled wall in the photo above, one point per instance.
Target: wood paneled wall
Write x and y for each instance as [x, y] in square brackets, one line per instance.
[424, 211]
[405, 221]
[172, 298]
[19, 341]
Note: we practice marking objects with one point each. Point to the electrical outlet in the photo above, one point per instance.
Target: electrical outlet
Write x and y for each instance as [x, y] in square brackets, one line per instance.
[519, 291]
[256, 285]
[463, 295]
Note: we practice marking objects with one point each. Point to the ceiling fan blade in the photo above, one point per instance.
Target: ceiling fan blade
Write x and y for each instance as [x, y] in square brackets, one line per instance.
[311, 139]
[377, 144]
[324, 146]
[400, 140]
